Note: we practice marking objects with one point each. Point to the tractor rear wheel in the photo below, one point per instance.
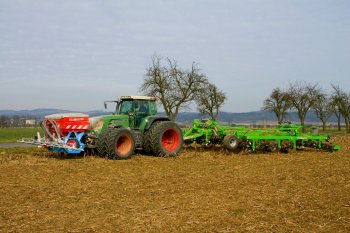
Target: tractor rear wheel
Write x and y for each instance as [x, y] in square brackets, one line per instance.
[230, 142]
[164, 138]
[147, 139]
[116, 144]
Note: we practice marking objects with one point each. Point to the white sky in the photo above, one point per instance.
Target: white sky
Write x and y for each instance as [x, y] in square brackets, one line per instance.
[76, 54]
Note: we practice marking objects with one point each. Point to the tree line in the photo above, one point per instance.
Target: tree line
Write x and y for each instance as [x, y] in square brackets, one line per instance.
[302, 97]
[17, 121]
[176, 88]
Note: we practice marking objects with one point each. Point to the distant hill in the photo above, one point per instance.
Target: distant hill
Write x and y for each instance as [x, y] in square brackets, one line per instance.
[253, 117]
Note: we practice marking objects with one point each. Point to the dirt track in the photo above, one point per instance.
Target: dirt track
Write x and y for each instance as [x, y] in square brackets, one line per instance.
[14, 144]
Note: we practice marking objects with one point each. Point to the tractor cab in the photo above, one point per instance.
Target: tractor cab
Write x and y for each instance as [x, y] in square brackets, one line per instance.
[137, 108]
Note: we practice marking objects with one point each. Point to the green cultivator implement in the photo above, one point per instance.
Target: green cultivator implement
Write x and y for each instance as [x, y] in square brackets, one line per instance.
[283, 138]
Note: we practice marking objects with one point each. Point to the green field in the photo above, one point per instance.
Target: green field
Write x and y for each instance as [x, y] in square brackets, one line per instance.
[14, 134]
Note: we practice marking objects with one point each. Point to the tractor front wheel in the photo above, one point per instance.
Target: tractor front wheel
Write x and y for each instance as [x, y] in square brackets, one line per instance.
[117, 143]
[102, 142]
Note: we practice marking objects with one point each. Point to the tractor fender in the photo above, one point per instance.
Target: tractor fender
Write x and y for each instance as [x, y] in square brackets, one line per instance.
[153, 119]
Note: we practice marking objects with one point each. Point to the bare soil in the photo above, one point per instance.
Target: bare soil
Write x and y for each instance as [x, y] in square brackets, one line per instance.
[198, 191]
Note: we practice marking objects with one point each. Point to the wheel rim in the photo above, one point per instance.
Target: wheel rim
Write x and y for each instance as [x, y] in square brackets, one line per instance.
[233, 142]
[170, 140]
[123, 145]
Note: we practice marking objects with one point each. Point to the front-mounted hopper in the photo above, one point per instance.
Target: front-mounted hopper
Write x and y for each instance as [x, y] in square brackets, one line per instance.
[63, 133]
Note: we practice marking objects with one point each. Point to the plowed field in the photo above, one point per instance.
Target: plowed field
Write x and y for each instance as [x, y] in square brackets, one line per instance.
[198, 191]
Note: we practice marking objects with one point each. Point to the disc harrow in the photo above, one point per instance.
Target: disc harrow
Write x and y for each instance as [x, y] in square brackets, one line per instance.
[283, 138]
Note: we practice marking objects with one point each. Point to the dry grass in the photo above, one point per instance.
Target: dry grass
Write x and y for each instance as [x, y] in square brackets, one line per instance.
[198, 191]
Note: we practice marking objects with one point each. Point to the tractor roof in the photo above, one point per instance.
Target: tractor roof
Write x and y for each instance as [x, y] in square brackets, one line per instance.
[134, 97]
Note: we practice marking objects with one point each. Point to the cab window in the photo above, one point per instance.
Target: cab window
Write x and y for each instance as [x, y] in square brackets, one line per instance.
[142, 107]
[153, 108]
[126, 107]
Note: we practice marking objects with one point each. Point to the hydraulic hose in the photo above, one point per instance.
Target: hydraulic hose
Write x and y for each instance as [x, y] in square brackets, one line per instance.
[46, 126]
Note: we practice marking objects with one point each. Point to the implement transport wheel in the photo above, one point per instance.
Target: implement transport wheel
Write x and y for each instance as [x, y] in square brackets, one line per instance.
[116, 144]
[230, 142]
[163, 138]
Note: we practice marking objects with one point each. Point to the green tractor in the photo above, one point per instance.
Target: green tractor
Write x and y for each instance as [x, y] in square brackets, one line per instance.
[134, 125]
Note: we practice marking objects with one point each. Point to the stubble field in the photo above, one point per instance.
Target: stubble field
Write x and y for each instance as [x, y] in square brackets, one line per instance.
[198, 191]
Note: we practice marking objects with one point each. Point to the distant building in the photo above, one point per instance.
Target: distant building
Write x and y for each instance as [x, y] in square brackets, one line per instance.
[30, 122]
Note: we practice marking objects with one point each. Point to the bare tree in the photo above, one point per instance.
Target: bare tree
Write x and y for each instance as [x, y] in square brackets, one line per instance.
[175, 87]
[323, 108]
[16, 121]
[335, 105]
[343, 102]
[302, 97]
[209, 100]
[278, 102]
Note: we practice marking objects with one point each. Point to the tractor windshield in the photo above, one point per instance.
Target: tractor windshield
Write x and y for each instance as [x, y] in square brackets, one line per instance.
[138, 107]
[126, 107]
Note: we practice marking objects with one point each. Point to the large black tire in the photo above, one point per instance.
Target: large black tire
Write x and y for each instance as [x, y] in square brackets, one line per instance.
[116, 144]
[163, 138]
[146, 144]
[101, 144]
[230, 142]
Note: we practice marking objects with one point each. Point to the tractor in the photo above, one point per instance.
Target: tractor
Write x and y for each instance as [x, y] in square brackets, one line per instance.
[134, 125]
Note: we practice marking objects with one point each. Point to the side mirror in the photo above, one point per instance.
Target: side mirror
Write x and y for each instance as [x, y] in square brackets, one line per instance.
[105, 104]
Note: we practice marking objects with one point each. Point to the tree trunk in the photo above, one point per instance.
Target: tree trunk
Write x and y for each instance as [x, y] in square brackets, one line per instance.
[338, 115]
[172, 116]
[323, 125]
[280, 119]
[347, 125]
[302, 123]
[213, 116]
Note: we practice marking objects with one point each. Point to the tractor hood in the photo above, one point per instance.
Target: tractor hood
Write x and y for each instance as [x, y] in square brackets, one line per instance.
[96, 123]
[100, 123]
